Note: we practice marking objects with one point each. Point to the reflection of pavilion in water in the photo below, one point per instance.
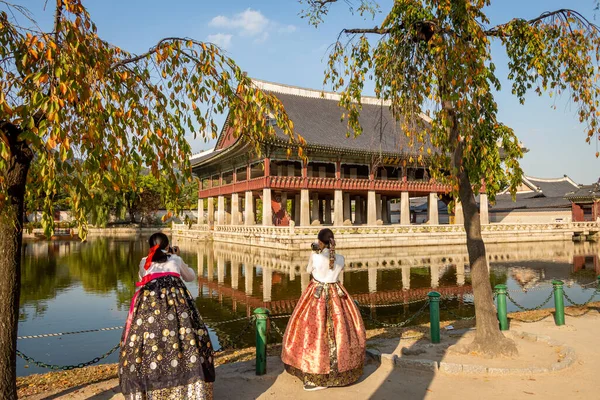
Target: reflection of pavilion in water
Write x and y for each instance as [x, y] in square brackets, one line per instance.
[271, 265]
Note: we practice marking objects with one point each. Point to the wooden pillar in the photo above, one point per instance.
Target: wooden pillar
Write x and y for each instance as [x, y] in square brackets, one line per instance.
[347, 208]
[267, 164]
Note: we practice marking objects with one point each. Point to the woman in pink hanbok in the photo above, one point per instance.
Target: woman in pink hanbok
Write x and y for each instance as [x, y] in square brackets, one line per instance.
[324, 343]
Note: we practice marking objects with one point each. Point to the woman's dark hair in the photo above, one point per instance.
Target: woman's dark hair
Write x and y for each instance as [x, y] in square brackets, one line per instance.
[162, 241]
[326, 236]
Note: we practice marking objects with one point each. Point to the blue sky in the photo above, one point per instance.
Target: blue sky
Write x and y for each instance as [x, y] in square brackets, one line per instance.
[270, 41]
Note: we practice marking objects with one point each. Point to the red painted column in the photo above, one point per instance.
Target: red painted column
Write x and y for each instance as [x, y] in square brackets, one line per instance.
[576, 212]
[267, 163]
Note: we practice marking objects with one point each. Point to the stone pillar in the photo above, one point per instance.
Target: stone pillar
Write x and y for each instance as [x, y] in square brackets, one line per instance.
[347, 208]
[385, 210]
[435, 276]
[235, 274]
[211, 210]
[460, 274]
[267, 211]
[371, 208]
[304, 208]
[248, 278]
[404, 209]
[432, 209]
[200, 211]
[220, 270]
[249, 209]
[406, 277]
[315, 208]
[221, 210]
[364, 210]
[267, 283]
[235, 209]
[338, 208]
[378, 208]
[388, 212]
[358, 210]
[297, 208]
[327, 215]
[459, 219]
[483, 209]
[372, 276]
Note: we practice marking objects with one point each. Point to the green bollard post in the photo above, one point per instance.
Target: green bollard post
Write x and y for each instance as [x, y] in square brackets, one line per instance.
[559, 303]
[262, 316]
[501, 306]
[434, 316]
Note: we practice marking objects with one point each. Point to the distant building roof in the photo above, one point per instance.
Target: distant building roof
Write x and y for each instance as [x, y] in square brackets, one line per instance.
[546, 187]
[585, 192]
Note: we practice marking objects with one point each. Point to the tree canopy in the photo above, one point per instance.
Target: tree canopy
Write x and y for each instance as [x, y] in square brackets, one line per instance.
[431, 60]
[88, 109]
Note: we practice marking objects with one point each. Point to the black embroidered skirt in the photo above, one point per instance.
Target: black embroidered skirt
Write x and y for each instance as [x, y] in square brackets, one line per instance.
[167, 352]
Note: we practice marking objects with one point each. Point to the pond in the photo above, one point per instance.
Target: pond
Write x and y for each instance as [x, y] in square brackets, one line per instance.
[72, 286]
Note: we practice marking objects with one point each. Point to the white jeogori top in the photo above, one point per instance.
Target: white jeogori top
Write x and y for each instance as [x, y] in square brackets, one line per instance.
[318, 265]
[173, 264]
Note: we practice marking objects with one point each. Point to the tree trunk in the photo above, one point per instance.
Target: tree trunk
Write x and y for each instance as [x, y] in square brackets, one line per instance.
[11, 234]
[489, 340]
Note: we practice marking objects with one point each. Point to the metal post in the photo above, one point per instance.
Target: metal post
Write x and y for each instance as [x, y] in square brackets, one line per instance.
[559, 303]
[501, 306]
[262, 316]
[434, 316]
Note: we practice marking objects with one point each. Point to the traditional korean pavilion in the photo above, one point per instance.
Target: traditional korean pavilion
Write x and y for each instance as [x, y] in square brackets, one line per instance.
[585, 202]
[346, 180]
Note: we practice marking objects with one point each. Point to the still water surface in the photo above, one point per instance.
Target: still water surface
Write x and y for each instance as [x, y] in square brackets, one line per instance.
[70, 286]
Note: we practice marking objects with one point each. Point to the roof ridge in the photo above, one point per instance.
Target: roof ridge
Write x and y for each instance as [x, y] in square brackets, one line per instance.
[311, 93]
[564, 178]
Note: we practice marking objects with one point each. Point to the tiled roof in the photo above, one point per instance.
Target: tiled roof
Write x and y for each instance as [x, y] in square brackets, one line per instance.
[554, 187]
[585, 192]
[526, 201]
[318, 120]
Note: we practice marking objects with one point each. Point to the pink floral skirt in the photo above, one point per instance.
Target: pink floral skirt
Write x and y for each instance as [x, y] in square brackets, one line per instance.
[324, 343]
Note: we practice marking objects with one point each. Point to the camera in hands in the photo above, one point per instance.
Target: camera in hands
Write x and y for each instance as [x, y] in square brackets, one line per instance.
[315, 247]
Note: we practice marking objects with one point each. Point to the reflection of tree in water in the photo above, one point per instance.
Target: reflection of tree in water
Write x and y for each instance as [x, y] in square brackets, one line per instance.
[104, 266]
[42, 277]
[101, 265]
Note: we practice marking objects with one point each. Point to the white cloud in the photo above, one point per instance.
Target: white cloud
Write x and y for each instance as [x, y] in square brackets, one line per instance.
[250, 23]
[220, 39]
[287, 29]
